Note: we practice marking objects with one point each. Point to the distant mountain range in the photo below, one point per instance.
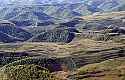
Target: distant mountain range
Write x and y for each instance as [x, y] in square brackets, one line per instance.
[40, 1]
[38, 12]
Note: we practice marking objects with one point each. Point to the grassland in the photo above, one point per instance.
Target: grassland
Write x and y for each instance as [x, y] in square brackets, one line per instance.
[61, 49]
[112, 69]
[102, 16]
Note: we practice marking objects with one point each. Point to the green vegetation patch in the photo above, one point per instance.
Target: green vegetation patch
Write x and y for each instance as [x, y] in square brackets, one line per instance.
[26, 72]
[107, 70]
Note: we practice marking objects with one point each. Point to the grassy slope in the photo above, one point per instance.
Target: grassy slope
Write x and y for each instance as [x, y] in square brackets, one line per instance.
[101, 16]
[113, 69]
[62, 49]
[86, 50]
[82, 51]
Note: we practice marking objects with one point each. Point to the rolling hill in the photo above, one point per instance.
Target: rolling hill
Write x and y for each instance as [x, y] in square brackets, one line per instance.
[7, 38]
[28, 13]
[10, 33]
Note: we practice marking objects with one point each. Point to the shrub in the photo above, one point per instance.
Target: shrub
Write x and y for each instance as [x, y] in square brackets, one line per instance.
[54, 36]
[51, 64]
[27, 72]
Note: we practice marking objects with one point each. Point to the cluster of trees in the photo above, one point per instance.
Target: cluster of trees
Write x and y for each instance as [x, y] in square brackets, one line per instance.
[26, 72]
[51, 64]
[55, 36]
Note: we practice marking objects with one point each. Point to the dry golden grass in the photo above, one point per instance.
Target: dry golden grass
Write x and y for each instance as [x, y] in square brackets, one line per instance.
[102, 16]
[60, 49]
[108, 70]
[113, 69]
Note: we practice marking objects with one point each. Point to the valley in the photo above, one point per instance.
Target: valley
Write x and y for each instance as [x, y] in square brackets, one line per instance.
[69, 41]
